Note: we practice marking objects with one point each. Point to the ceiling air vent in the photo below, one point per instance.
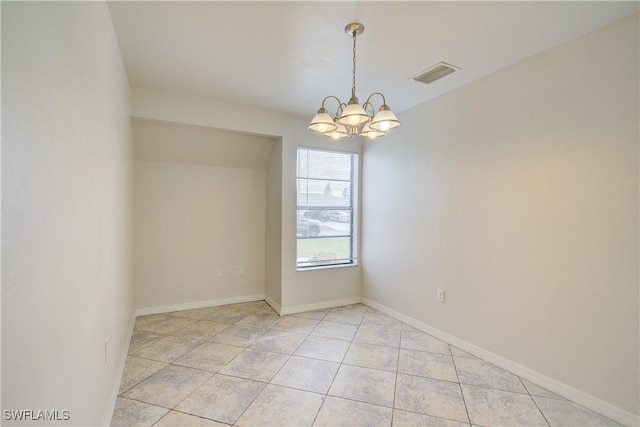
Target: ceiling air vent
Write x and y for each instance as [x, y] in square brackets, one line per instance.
[435, 73]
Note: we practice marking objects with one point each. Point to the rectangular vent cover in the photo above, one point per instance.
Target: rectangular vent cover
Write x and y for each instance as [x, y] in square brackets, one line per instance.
[435, 73]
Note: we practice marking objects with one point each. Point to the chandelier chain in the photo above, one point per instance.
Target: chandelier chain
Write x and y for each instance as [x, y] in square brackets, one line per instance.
[353, 87]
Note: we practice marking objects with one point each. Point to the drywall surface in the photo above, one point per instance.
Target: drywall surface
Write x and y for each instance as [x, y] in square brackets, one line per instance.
[305, 289]
[518, 195]
[273, 282]
[175, 143]
[66, 211]
[194, 224]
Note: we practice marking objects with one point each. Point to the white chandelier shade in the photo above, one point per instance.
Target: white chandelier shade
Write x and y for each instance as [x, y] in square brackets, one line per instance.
[385, 120]
[353, 115]
[353, 119]
[338, 133]
[368, 132]
[322, 122]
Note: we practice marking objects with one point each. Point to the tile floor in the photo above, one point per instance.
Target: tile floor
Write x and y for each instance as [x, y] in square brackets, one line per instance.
[244, 365]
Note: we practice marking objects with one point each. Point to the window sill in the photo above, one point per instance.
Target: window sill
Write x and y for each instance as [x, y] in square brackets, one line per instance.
[326, 267]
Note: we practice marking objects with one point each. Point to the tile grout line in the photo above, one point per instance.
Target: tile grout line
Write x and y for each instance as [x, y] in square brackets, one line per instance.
[534, 402]
[464, 401]
[215, 373]
[395, 385]
[250, 403]
[191, 415]
[129, 388]
[562, 399]
[265, 384]
[208, 379]
[279, 369]
[341, 363]
[326, 394]
[244, 349]
[481, 386]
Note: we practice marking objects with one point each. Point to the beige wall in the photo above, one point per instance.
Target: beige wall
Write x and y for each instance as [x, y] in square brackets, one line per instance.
[518, 195]
[273, 282]
[199, 213]
[190, 222]
[299, 290]
[66, 210]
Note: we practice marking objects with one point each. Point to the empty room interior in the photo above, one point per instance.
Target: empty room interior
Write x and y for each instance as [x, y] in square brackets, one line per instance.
[320, 213]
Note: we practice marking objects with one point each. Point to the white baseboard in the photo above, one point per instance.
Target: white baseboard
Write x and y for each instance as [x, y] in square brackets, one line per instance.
[119, 371]
[249, 298]
[198, 304]
[319, 306]
[273, 304]
[588, 401]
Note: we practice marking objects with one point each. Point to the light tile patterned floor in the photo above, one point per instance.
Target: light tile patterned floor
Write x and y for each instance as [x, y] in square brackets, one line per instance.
[244, 365]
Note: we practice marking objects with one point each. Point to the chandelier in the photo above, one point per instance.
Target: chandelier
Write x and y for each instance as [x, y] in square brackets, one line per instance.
[353, 119]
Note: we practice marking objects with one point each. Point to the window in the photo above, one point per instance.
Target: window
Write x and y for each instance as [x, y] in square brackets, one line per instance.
[327, 208]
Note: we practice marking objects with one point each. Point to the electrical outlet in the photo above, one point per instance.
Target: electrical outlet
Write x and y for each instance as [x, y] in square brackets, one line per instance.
[219, 272]
[440, 295]
[240, 271]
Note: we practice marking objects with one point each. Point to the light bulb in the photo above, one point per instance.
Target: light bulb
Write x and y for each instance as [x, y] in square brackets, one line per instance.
[384, 126]
[335, 135]
[323, 127]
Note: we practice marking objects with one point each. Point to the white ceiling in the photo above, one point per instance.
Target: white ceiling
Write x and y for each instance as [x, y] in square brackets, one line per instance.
[288, 56]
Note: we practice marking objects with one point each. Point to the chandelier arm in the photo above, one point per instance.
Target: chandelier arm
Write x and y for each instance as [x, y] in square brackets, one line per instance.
[384, 101]
[366, 105]
[331, 96]
[340, 109]
[340, 103]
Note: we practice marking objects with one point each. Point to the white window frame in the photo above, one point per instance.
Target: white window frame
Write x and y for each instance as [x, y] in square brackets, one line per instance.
[352, 259]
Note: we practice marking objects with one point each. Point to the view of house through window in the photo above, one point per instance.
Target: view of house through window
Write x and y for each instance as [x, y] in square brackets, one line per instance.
[327, 211]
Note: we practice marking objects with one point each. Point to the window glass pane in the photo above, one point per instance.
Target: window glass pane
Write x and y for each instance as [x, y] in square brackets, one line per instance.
[325, 216]
[323, 222]
[324, 251]
[324, 193]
